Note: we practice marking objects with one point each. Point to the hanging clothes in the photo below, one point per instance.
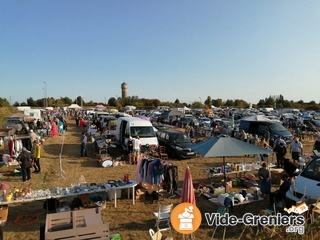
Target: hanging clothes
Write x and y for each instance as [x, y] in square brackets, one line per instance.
[171, 178]
[156, 171]
[138, 170]
[11, 146]
[16, 145]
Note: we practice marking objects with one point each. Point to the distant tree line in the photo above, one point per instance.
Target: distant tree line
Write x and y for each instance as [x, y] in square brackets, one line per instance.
[276, 101]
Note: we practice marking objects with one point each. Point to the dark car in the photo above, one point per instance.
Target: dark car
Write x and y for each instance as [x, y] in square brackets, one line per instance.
[177, 143]
[160, 126]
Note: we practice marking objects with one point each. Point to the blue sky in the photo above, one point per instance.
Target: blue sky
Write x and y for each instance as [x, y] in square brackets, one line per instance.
[168, 50]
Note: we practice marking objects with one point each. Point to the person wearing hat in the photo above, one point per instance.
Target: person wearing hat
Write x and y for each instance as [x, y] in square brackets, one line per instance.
[280, 194]
[24, 160]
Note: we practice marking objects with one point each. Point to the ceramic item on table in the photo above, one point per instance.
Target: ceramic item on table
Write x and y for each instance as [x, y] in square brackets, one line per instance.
[107, 163]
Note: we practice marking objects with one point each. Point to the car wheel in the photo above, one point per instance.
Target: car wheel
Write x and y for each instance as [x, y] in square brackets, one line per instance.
[175, 156]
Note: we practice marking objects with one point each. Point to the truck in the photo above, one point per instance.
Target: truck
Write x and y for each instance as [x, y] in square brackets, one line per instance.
[33, 114]
[22, 108]
[132, 127]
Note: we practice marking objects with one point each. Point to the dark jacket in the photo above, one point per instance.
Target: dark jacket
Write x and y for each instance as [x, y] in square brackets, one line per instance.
[289, 167]
[280, 150]
[25, 159]
[283, 189]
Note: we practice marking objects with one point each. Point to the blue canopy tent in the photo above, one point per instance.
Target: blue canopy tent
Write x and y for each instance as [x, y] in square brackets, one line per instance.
[225, 146]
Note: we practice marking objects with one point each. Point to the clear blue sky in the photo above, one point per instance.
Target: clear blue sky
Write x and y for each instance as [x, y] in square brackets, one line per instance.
[235, 49]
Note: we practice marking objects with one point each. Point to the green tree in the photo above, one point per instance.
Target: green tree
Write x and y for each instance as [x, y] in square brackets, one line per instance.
[217, 102]
[4, 102]
[112, 102]
[229, 103]
[31, 102]
[208, 101]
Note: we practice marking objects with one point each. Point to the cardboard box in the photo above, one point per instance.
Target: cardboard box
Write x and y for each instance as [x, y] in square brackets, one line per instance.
[276, 175]
[139, 194]
[111, 194]
[3, 214]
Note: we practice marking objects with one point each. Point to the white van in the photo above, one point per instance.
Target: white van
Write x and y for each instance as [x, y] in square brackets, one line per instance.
[306, 185]
[134, 126]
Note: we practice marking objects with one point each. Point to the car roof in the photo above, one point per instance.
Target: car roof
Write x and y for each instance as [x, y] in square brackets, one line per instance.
[171, 131]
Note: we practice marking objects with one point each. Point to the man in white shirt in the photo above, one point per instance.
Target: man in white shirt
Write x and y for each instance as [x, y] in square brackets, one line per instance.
[136, 148]
[296, 149]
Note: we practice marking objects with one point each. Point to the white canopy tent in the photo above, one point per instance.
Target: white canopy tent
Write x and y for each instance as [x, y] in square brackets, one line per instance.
[74, 106]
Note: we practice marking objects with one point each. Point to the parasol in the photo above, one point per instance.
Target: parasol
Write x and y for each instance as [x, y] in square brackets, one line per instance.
[187, 195]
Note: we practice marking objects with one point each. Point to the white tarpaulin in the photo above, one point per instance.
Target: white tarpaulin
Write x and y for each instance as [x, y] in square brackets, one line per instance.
[74, 106]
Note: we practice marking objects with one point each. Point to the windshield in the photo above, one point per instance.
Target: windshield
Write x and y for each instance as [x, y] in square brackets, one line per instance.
[142, 132]
[316, 122]
[276, 127]
[312, 171]
[13, 121]
[180, 138]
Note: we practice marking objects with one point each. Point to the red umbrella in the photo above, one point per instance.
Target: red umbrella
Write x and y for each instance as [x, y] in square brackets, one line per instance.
[187, 195]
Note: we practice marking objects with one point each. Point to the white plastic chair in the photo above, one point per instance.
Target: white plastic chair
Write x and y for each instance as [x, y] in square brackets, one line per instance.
[163, 215]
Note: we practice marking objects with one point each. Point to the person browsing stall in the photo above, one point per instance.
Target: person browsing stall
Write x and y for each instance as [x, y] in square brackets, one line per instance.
[280, 194]
[25, 160]
[136, 149]
[83, 149]
[289, 167]
[36, 157]
[265, 181]
[296, 149]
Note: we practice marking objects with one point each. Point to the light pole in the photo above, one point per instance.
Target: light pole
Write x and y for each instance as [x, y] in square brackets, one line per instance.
[45, 94]
[105, 101]
[200, 99]
[44, 99]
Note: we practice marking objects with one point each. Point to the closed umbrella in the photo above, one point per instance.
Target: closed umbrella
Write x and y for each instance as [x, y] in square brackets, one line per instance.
[187, 195]
[4, 187]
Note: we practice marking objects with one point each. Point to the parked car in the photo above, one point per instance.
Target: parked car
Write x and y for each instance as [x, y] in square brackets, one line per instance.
[188, 120]
[177, 143]
[306, 185]
[204, 121]
[160, 126]
[104, 120]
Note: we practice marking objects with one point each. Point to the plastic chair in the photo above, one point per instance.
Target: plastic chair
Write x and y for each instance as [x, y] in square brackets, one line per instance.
[163, 215]
[221, 211]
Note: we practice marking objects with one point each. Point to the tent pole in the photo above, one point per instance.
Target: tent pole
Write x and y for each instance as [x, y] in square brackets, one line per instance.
[224, 174]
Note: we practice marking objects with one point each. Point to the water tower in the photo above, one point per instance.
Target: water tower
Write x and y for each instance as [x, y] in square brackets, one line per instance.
[124, 88]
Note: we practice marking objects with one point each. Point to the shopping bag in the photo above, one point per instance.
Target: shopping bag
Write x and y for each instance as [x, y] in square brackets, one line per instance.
[157, 236]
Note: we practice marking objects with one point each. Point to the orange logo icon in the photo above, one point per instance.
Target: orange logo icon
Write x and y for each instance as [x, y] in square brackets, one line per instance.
[185, 218]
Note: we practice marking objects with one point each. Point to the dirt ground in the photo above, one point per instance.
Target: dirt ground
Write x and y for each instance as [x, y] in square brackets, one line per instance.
[131, 221]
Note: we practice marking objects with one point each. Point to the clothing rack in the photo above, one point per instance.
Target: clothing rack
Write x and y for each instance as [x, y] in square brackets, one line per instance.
[168, 177]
